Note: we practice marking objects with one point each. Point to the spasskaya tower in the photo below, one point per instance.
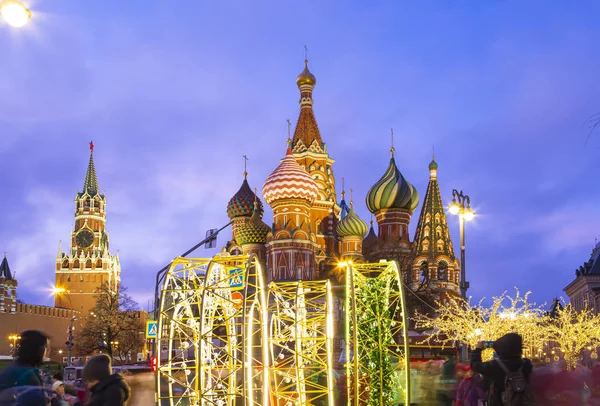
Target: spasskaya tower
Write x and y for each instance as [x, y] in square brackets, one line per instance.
[88, 263]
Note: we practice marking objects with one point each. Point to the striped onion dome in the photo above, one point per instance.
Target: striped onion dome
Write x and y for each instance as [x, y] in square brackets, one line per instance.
[351, 225]
[242, 203]
[289, 181]
[254, 231]
[392, 191]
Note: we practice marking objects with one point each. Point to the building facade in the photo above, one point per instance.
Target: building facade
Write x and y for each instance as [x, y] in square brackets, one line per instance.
[584, 291]
[88, 263]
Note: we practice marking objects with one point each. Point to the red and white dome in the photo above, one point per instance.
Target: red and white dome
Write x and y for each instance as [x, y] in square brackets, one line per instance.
[289, 181]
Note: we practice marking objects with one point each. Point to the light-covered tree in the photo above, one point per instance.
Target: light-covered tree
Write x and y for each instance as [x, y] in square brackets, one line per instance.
[573, 331]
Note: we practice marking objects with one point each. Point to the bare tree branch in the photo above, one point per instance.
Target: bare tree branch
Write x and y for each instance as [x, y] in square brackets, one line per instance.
[112, 326]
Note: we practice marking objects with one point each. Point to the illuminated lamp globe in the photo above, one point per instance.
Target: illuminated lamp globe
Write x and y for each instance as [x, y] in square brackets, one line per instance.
[453, 208]
[15, 13]
[469, 214]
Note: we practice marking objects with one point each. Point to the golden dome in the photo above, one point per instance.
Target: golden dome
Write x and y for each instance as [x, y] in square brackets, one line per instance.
[306, 78]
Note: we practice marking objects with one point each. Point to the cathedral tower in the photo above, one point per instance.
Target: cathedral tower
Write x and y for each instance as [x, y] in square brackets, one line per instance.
[392, 200]
[310, 152]
[434, 264]
[8, 289]
[351, 230]
[240, 209]
[88, 264]
[291, 244]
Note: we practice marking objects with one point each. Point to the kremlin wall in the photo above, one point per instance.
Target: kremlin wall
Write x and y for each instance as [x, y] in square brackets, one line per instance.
[17, 317]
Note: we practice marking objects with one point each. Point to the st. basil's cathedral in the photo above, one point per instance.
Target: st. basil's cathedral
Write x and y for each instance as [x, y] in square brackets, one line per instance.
[312, 231]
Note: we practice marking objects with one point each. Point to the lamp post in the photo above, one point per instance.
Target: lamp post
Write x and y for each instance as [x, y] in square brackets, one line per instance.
[14, 13]
[14, 338]
[461, 206]
[69, 342]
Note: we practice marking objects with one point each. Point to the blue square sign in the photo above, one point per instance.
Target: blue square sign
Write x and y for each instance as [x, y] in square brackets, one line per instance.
[151, 329]
[236, 279]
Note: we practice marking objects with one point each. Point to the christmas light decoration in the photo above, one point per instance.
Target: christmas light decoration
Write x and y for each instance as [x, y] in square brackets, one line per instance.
[301, 333]
[458, 321]
[217, 348]
[375, 326]
[210, 347]
[573, 332]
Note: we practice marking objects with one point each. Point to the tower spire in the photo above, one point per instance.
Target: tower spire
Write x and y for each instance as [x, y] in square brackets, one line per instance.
[307, 131]
[245, 166]
[392, 149]
[90, 185]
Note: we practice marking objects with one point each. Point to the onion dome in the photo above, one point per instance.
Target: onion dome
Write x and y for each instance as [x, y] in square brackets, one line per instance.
[433, 165]
[242, 203]
[254, 231]
[306, 78]
[351, 225]
[392, 191]
[290, 181]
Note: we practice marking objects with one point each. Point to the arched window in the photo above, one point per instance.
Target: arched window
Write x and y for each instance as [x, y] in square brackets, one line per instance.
[424, 272]
[442, 271]
[427, 218]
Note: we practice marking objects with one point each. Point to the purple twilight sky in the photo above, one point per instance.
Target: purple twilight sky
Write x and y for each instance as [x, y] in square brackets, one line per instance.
[174, 93]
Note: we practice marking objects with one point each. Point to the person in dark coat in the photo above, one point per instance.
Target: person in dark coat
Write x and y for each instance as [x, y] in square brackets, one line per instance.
[22, 380]
[509, 349]
[107, 389]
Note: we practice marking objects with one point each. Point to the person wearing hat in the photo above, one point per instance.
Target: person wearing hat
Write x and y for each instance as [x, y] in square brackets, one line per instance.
[107, 389]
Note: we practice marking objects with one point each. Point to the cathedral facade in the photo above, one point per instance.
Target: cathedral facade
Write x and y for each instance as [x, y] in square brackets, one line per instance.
[311, 232]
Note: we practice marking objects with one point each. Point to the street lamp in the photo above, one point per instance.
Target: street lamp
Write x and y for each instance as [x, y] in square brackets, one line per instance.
[14, 338]
[15, 13]
[461, 205]
[69, 342]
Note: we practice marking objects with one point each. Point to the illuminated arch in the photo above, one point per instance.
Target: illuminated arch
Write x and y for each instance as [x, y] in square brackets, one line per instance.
[300, 341]
[376, 324]
[210, 331]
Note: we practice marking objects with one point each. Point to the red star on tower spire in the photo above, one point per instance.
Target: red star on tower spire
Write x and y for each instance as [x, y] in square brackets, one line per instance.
[91, 145]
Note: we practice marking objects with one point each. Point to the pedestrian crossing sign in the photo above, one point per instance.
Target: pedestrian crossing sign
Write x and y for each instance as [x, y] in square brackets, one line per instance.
[236, 279]
[151, 329]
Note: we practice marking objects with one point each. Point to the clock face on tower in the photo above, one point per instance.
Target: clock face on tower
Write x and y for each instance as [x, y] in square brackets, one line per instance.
[84, 239]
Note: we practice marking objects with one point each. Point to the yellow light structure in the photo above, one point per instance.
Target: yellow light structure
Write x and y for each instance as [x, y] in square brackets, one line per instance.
[15, 13]
[210, 341]
[225, 339]
[458, 321]
[377, 334]
[300, 341]
[574, 331]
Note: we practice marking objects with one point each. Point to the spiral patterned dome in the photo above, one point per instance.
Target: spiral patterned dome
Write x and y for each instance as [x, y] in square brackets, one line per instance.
[242, 203]
[392, 191]
[351, 225]
[289, 181]
[254, 231]
[306, 78]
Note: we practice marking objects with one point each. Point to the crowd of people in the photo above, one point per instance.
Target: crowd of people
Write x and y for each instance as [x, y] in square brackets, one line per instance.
[481, 383]
[507, 380]
[21, 384]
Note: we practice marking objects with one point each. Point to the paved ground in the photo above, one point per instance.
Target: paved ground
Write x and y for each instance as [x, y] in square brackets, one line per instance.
[142, 390]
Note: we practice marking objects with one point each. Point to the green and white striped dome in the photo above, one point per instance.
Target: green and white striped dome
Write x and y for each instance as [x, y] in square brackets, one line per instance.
[392, 191]
[352, 225]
